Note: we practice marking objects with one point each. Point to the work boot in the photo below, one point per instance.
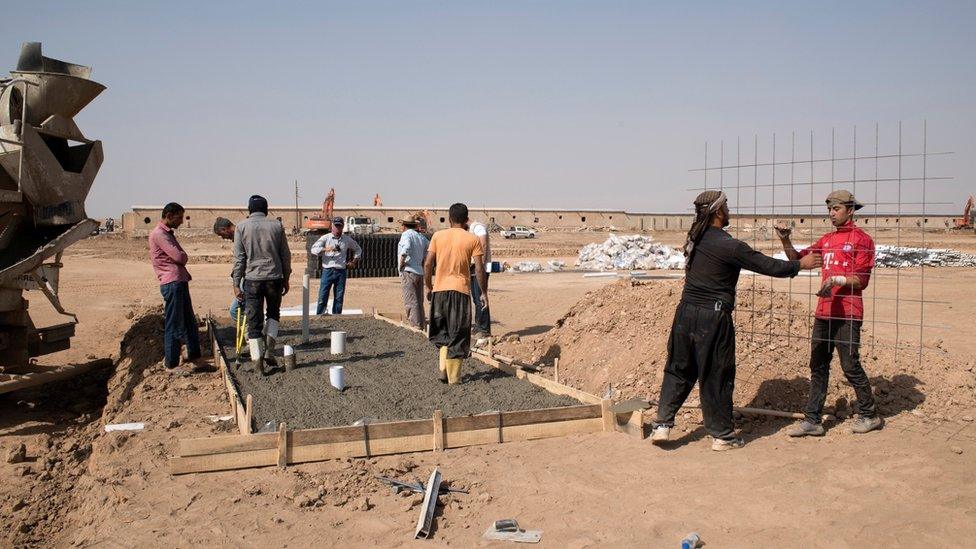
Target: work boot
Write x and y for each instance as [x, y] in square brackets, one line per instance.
[807, 428]
[660, 433]
[257, 353]
[269, 358]
[721, 444]
[866, 424]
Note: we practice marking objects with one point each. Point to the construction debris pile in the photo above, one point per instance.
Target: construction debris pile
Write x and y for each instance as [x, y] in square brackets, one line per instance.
[900, 256]
[635, 252]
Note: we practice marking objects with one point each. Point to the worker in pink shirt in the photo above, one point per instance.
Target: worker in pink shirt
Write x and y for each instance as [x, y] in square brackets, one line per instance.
[169, 263]
[848, 259]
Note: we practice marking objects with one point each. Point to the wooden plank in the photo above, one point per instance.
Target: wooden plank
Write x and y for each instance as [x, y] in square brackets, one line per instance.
[438, 424]
[460, 439]
[378, 447]
[304, 437]
[222, 462]
[226, 444]
[220, 359]
[608, 418]
[560, 389]
[523, 417]
[282, 444]
[631, 423]
[248, 415]
[351, 433]
[403, 325]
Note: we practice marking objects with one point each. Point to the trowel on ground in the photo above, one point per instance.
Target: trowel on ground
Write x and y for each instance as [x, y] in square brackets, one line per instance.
[508, 530]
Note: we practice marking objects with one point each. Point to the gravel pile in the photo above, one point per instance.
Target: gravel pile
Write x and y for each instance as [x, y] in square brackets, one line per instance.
[634, 252]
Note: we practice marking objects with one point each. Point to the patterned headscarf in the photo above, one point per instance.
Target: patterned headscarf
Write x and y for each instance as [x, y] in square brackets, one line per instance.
[706, 204]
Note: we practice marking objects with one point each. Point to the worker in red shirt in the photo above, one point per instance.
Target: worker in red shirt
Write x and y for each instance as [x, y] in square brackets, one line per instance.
[848, 257]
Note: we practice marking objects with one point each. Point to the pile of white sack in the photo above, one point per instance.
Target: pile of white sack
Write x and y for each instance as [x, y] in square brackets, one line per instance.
[536, 267]
[900, 256]
[635, 252]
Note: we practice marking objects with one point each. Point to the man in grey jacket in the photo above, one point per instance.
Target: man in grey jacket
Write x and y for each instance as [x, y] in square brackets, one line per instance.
[262, 260]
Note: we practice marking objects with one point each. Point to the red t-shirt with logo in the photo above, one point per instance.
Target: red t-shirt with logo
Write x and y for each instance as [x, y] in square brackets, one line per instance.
[848, 251]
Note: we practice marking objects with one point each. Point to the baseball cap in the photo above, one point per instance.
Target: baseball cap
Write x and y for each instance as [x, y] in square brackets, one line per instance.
[338, 221]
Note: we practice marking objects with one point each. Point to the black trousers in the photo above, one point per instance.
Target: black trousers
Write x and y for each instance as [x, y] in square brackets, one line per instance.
[450, 323]
[845, 336]
[257, 293]
[701, 348]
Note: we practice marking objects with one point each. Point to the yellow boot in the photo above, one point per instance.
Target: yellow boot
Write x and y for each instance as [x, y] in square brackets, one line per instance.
[443, 364]
[453, 370]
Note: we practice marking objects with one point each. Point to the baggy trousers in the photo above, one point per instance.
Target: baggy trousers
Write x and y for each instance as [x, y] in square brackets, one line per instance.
[257, 294]
[180, 325]
[845, 336]
[701, 348]
[482, 315]
[412, 285]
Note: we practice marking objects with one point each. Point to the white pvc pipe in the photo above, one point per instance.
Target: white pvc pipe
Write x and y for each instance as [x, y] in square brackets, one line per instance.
[305, 278]
[338, 342]
[337, 377]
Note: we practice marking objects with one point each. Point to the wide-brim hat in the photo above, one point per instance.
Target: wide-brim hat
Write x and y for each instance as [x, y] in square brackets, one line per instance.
[409, 220]
[843, 197]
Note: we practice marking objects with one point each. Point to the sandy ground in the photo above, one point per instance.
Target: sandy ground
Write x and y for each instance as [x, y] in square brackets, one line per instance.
[909, 485]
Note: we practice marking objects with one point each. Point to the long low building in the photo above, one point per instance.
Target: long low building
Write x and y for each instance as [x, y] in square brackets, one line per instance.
[200, 219]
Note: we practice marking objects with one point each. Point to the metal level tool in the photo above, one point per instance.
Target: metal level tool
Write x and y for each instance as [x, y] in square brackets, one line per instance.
[430, 503]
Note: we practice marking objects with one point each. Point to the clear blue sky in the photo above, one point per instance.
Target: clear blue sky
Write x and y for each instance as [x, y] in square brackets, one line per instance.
[535, 104]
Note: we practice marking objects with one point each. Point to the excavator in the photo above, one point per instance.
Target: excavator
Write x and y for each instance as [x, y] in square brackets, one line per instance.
[968, 220]
[323, 220]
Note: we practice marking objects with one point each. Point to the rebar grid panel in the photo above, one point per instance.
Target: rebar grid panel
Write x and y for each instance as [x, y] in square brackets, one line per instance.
[886, 182]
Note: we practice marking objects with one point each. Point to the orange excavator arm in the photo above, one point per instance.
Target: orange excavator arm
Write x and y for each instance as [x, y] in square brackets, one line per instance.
[328, 205]
[323, 221]
[967, 220]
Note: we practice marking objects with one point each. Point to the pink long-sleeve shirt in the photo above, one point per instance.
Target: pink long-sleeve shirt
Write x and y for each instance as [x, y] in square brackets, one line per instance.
[167, 256]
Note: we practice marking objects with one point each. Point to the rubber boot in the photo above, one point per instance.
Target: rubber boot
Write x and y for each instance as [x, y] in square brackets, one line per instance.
[269, 347]
[256, 346]
[453, 366]
[443, 364]
[270, 334]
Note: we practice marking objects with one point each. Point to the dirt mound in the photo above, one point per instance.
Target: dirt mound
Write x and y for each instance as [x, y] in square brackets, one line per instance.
[617, 336]
[66, 461]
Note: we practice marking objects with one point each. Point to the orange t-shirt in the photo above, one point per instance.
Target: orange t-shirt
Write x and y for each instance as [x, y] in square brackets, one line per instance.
[453, 250]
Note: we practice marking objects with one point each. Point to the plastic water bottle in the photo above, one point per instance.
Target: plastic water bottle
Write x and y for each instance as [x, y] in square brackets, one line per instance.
[691, 541]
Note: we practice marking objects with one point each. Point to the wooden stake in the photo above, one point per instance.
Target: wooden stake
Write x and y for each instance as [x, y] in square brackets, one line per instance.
[438, 431]
[282, 444]
[248, 415]
[608, 419]
[555, 366]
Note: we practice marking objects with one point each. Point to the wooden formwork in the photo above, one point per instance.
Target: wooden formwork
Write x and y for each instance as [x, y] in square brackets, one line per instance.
[284, 447]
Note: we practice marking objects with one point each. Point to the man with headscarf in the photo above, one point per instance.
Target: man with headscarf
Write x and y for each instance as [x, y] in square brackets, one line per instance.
[848, 254]
[262, 262]
[702, 343]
